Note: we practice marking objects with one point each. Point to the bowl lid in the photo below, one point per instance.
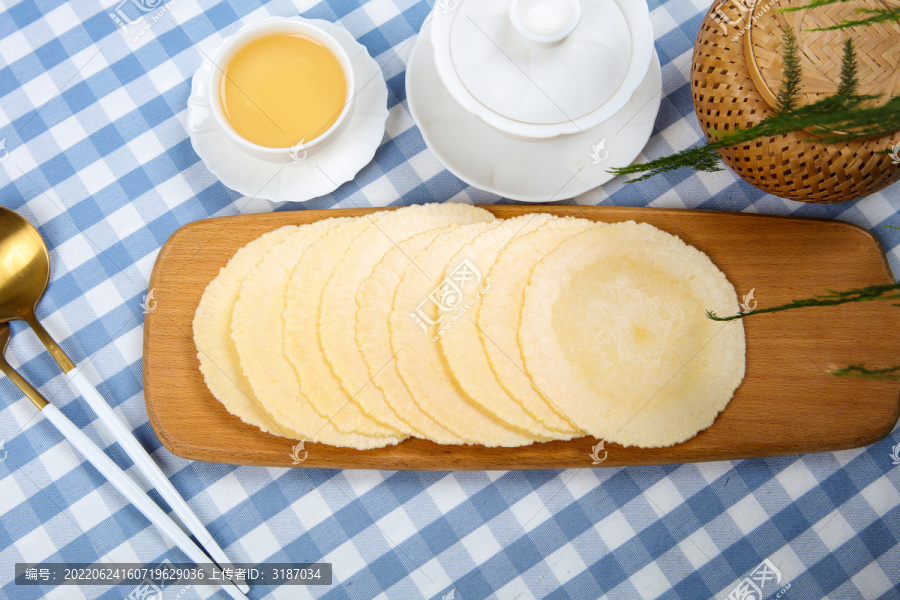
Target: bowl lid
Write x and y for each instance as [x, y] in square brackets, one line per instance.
[540, 62]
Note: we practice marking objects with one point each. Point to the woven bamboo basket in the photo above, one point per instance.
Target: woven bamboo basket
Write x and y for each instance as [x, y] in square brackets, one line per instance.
[737, 70]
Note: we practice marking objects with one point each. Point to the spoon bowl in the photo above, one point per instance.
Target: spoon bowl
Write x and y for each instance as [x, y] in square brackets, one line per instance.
[24, 275]
[24, 268]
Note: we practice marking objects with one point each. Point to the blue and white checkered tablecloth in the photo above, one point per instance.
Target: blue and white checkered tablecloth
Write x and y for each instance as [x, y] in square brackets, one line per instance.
[98, 159]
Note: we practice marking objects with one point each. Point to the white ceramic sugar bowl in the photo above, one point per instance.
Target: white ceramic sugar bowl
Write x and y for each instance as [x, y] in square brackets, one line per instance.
[542, 69]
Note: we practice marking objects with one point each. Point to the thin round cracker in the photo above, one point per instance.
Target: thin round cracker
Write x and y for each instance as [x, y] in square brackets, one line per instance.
[461, 342]
[614, 331]
[375, 298]
[418, 357]
[219, 362]
[337, 323]
[257, 332]
[302, 345]
[500, 311]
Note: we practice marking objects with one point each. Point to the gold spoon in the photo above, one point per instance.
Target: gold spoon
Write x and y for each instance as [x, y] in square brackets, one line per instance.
[32, 394]
[24, 275]
[116, 476]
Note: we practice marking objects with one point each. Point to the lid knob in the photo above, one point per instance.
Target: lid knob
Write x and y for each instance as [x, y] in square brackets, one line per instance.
[545, 22]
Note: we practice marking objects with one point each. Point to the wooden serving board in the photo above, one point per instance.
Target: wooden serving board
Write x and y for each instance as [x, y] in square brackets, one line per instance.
[787, 404]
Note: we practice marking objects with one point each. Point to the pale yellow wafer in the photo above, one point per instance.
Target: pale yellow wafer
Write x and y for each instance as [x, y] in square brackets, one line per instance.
[614, 331]
[375, 298]
[337, 318]
[219, 361]
[418, 357]
[500, 311]
[461, 342]
[257, 332]
[302, 345]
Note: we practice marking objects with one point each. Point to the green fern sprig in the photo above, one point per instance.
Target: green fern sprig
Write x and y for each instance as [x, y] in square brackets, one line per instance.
[792, 73]
[849, 86]
[840, 117]
[866, 294]
[831, 114]
[871, 16]
[861, 372]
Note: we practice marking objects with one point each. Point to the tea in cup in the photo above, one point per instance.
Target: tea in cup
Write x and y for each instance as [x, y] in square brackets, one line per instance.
[281, 86]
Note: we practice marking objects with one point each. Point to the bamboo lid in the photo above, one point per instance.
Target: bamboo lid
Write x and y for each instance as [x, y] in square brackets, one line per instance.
[877, 49]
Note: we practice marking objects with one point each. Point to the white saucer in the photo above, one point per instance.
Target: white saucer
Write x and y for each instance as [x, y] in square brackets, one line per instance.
[314, 175]
[530, 171]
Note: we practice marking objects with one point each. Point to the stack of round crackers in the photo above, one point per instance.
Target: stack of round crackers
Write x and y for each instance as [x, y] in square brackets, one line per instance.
[445, 323]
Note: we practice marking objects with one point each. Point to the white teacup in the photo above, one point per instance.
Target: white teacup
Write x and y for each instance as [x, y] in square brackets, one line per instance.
[254, 31]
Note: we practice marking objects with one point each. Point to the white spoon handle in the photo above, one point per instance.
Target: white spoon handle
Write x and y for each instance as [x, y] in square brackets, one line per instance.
[148, 467]
[131, 491]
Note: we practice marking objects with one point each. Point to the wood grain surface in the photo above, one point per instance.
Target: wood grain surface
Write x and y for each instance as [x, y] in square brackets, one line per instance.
[787, 404]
